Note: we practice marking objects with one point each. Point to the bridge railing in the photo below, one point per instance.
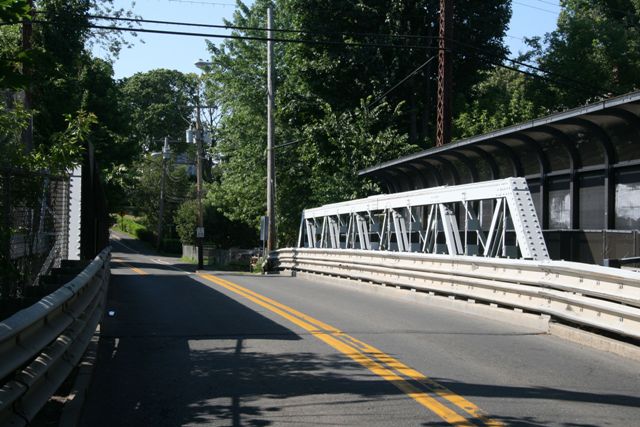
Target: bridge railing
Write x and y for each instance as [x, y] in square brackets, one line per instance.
[599, 297]
[40, 345]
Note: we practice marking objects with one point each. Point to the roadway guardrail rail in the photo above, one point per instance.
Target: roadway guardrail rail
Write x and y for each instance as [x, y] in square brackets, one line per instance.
[599, 297]
[40, 345]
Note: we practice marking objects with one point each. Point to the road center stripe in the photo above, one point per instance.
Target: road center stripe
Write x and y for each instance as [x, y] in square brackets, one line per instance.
[135, 269]
[366, 356]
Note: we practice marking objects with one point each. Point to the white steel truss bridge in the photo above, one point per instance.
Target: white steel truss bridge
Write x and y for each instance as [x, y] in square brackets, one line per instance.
[490, 219]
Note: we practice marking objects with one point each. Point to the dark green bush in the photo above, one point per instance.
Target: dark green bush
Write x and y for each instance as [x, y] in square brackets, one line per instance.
[172, 246]
[145, 235]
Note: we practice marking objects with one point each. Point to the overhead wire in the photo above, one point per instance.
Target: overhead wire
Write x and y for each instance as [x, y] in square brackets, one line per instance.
[375, 101]
[378, 45]
[203, 2]
[556, 77]
[549, 3]
[607, 7]
[256, 38]
[322, 42]
[250, 28]
[554, 12]
[394, 87]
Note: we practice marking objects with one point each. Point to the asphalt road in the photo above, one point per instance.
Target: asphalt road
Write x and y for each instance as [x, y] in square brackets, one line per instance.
[227, 349]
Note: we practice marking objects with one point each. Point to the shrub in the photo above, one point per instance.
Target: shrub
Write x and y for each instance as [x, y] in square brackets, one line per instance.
[172, 246]
[145, 235]
[186, 219]
[130, 225]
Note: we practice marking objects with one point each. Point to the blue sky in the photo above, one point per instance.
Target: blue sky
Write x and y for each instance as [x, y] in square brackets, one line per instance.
[530, 18]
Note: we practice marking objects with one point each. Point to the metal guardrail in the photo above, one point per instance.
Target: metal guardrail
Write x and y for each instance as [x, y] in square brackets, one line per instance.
[40, 345]
[595, 296]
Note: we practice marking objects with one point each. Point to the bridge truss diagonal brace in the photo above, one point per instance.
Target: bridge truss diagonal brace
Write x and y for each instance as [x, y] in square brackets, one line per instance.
[491, 219]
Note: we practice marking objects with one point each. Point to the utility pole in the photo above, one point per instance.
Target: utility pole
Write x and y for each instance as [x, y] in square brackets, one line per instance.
[163, 176]
[271, 213]
[443, 122]
[200, 229]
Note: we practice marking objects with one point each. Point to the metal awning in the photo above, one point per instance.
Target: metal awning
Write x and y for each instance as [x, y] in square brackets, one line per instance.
[601, 134]
[581, 148]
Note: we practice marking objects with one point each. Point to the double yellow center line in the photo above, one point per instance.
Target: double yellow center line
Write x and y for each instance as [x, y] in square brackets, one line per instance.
[449, 406]
[135, 269]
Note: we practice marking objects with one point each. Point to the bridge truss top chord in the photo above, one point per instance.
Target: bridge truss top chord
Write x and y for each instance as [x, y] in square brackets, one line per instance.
[492, 219]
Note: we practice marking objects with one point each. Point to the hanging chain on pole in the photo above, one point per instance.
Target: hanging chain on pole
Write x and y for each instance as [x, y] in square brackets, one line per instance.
[271, 218]
[443, 125]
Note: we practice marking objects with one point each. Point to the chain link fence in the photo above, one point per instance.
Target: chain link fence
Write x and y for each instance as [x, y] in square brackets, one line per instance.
[34, 225]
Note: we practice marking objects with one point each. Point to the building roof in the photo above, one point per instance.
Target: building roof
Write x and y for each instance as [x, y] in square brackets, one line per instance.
[593, 136]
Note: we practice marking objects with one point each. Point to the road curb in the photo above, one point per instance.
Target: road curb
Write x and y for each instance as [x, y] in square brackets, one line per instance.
[598, 342]
[75, 400]
[540, 323]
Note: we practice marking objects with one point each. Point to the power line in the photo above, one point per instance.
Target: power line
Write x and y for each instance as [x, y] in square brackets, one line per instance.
[247, 28]
[191, 24]
[581, 84]
[203, 2]
[611, 8]
[555, 12]
[254, 38]
[305, 41]
[549, 3]
[286, 144]
[411, 74]
[514, 37]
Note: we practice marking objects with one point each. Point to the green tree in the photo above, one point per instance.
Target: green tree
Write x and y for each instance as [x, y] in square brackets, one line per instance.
[595, 49]
[501, 99]
[13, 117]
[144, 178]
[159, 103]
[342, 75]
[55, 85]
[103, 98]
[12, 57]
[320, 93]
[221, 232]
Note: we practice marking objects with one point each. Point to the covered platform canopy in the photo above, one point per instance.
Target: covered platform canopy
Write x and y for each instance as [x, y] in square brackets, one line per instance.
[582, 166]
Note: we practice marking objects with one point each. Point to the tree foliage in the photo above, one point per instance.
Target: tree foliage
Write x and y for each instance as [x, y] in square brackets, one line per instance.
[12, 58]
[331, 120]
[321, 93]
[221, 231]
[503, 98]
[341, 76]
[143, 189]
[158, 103]
[594, 52]
[68, 90]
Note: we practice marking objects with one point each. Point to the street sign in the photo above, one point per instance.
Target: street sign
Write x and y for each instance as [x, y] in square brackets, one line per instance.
[264, 228]
[200, 232]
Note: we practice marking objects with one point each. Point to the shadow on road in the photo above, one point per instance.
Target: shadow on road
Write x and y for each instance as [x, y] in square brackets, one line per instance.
[128, 245]
[175, 351]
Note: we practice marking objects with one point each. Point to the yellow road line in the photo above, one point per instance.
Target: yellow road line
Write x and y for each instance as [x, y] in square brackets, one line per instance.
[437, 388]
[338, 340]
[388, 360]
[135, 269]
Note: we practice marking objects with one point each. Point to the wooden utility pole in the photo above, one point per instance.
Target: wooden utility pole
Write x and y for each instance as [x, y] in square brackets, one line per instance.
[443, 124]
[271, 212]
